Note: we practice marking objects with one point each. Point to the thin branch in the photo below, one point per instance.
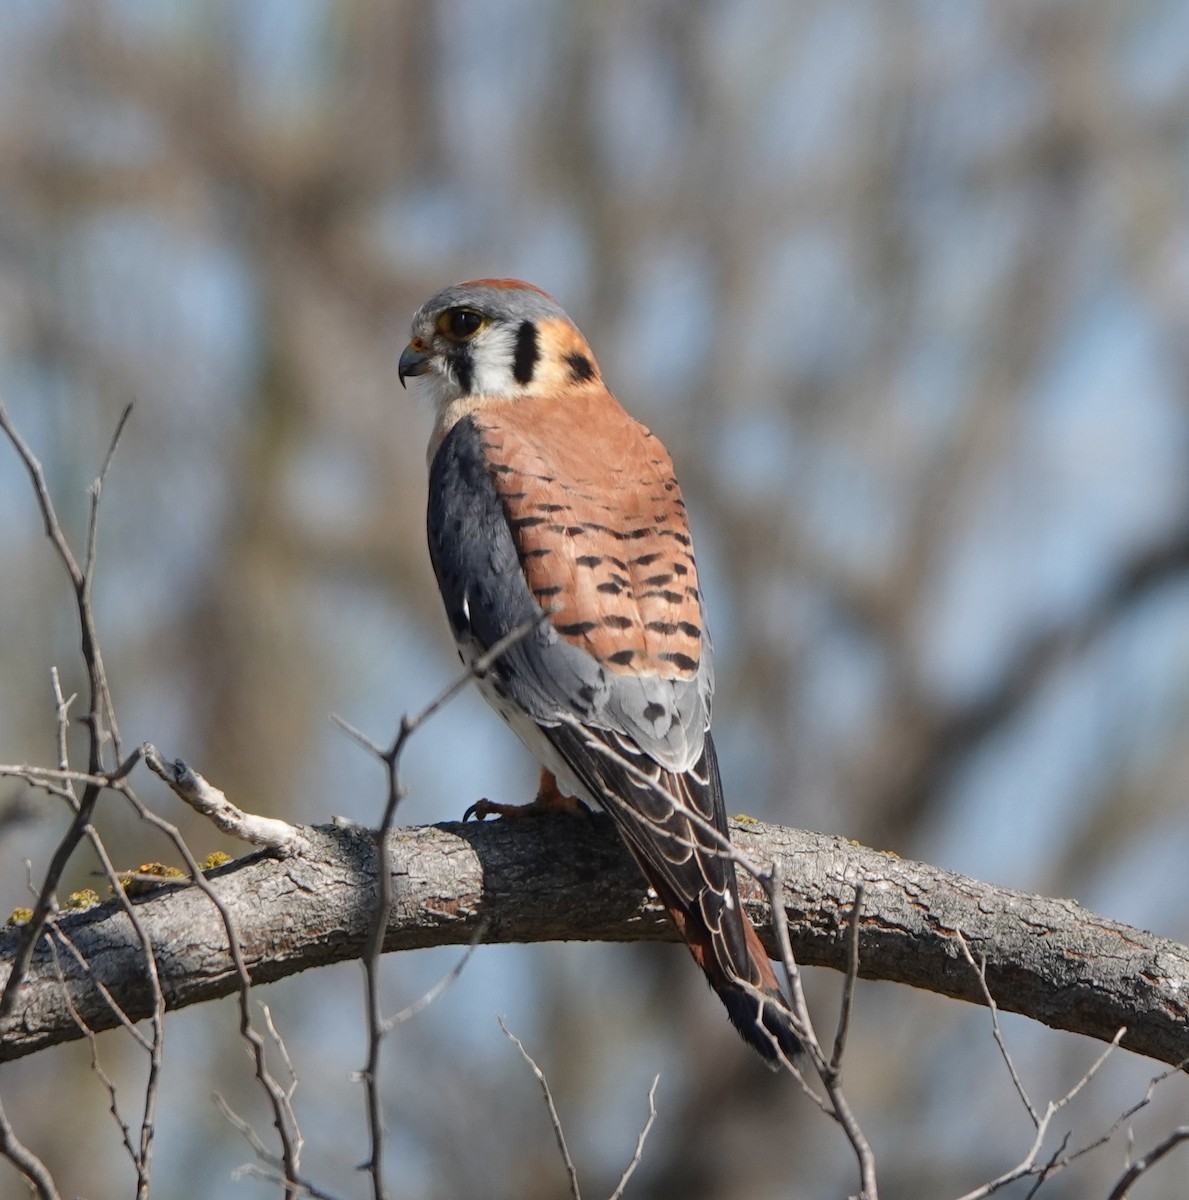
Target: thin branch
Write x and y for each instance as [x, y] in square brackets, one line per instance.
[284, 1118]
[188, 785]
[98, 717]
[105, 1080]
[245, 1130]
[553, 1117]
[846, 1007]
[1141, 1166]
[980, 969]
[374, 948]
[829, 1072]
[1061, 1157]
[287, 1169]
[140, 1154]
[630, 1169]
[303, 1185]
[85, 967]
[283, 1050]
[62, 705]
[49, 517]
[25, 1161]
[103, 710]
[97, 490]
[424, 1001]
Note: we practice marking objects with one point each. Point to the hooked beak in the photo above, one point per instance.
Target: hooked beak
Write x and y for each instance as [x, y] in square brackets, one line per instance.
[413, 361]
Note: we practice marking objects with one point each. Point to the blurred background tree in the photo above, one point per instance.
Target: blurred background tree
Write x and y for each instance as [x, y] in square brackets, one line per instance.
[905, 289]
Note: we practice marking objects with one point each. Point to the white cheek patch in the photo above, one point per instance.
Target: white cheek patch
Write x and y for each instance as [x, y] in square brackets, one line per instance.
[491, 361]
[443, 390]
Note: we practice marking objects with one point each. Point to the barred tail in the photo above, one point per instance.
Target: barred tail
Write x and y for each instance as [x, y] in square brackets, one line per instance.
[760, 1015]
[736, 966]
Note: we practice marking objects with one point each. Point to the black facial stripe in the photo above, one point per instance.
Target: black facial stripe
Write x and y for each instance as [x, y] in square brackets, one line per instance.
[580, 366]
[524, 360]
[464, 372]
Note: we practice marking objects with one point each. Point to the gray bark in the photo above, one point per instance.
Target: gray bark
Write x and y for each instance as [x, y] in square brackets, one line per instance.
[568, 879]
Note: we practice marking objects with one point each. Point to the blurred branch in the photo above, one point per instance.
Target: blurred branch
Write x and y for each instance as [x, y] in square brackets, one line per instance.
[1031, 1166]
[1142, 1165]
[829, 1070]
[554, 1119]
[569, 879]
[99, 719]
[935, 742]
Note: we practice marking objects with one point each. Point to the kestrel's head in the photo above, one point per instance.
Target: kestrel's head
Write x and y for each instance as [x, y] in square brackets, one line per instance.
[497, 338]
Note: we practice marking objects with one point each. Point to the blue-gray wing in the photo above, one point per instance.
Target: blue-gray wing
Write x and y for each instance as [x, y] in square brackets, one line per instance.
[484, 560]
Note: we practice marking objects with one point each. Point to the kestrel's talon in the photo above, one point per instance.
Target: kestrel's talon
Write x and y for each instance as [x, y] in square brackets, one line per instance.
[482, 809]
[552, 511]
[548, 800]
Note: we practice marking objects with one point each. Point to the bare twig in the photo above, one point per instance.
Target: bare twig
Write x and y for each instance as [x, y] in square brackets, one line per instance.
[99, 715]
[828, 1071]
[374, 948]
[154, 1045]
[302, 1185]
[101, 723]
[553, 1117]
[630, 1169]
[282, 1050]
[102, 713]
[980, 969]
[245, 1130]
[286, 1163]
[1030, 1165]
[846, 1007]
[438, 988]
[101, 989]
[279, 1099]
[113, 1104]
[1142, 1165]
[555, 1121]
[62, 705]
[267, 832]
[25, 1161]
[53, 527]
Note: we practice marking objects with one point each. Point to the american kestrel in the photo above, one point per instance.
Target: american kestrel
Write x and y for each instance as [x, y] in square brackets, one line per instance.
[553, 511]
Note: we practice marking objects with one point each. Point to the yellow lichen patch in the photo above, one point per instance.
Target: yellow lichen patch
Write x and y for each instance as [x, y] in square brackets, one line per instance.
[744, 819]
[134, 882]
[86, 898]
[215, 859]
[20, 916]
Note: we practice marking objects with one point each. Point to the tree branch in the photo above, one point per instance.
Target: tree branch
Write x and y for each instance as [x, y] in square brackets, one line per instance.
[568, 879]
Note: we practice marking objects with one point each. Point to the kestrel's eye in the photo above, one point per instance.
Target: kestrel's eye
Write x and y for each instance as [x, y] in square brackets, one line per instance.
[458, 324]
